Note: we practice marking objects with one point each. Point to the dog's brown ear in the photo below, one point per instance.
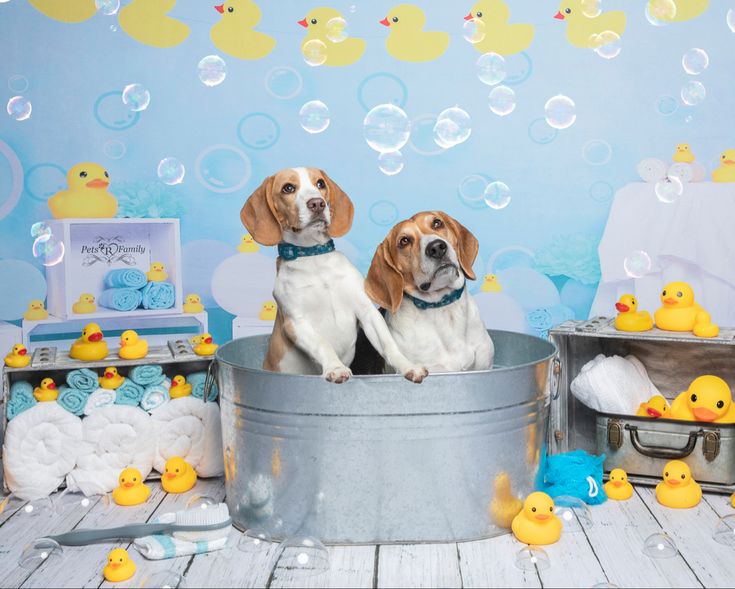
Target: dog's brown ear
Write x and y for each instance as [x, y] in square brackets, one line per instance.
[468, 245]
[384, 283]
[340, 207]
[259, 216]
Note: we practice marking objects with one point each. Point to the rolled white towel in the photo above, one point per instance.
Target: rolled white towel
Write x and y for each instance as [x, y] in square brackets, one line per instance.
[99, 398]
[651, 169]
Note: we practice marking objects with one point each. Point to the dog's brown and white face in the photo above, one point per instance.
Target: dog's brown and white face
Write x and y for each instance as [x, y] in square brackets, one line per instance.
[423, 256]
[298, 205]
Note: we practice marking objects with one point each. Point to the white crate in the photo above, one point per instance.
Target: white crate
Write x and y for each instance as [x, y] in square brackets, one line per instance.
[247, 326]
[93, 247]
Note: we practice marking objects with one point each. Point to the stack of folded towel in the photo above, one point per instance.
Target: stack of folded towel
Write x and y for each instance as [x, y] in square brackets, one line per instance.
[80, 384]
[129, 289]
[21, 398]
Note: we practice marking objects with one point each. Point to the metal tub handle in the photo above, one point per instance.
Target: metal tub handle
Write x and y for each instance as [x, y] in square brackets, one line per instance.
[209, 380]
[662, 451]
[555, 377]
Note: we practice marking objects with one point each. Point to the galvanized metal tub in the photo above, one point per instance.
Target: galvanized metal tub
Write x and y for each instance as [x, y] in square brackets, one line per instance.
[379, 459]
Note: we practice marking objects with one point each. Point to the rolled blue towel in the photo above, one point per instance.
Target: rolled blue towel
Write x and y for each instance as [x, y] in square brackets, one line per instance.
[154, 396]
[120, 299]
[196, 380]
[158, 295]
[125, 278]
[84, 380]
[147, 375]
[73, 400]
[128, 393]
[21, 398]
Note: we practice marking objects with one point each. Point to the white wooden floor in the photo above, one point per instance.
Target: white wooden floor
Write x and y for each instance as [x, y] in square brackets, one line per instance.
[607, 551]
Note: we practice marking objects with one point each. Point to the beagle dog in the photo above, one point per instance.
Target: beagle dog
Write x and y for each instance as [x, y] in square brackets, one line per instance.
[320, 294]
[418, 275]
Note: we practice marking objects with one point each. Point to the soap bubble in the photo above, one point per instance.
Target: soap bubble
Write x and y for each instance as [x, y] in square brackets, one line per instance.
[491, 68]
[258, 130]
[497, 195]
[38, 551]
[314, 116]
[692, 93]
[473, 31]
[471, 191]
[383, 213]
[212, 70]
[382, 88]
[18, 83]
[390, 162]
[69, 501]
[518, 68]
[539, 131]
[283, 82]
[113, 28]
[114, 149]
[597, 152]
[201, 502]
[725, 531]
[337, 30]
[136, 97]
[660, 545]
[667, 105]
[453, 126]
[591, 8]
[111, 113]
[315, 52]
[560, 112]
[254, 541]
[167, 579]
[731, 19]
[637, 264]
[304, 555]
[695, 61]
[660, 12]
[386, 128]
[44, 180]
[171, 171]
[223, 168]
[422, 136]
[532, 558]
[574, 513]
[107, 7]
[37, 507]
[502, 100]
[606, 44]
[669, 189]
[39, 229]
[601, 191]
[48, 250]
[19, 107]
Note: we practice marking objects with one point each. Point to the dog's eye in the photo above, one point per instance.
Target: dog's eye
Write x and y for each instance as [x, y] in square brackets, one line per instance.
[320, 184]
[288, 188]
[404, 241]
[437, 224]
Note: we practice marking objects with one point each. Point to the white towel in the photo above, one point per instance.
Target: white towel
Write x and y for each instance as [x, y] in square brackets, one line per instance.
[165, 546]
[155, 395]
[190, 428]
[651, 169]
[99, 398]
[40, 449]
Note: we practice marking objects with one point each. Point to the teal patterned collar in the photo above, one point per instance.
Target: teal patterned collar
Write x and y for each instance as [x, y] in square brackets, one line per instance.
[447, 299]
[289, 251]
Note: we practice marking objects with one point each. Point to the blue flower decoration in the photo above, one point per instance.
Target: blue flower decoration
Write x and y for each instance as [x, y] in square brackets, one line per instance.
[151, 199]
[571, 255]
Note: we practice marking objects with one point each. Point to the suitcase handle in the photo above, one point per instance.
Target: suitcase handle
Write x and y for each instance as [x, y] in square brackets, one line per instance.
[662, 451]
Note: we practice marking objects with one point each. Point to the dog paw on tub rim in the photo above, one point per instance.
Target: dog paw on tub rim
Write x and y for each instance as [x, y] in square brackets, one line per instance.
[338, 374]
[416, 374]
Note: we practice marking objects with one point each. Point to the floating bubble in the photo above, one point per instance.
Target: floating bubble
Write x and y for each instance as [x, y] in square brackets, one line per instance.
[473, 31]
[667, 105]
[518, 68]
[422, 136]
[223, 168]
[574, 513]
[491, 68]
[114, 149]
[606, 44]
[68, 500]
[386, 128]
[669, 189]
[695, 61]
[171, 171]
[19, 107]
[502, 100]
[113, 28]
[471, 191]
[258, 130]
[45, 180]
[532, 558]
[283, 82]
[202, 502]
[305, 556]
[254, 541]
[660, 12]
[382, 88]
[37, 507]
[48, 250]
[637, 264]
[314, 52]
[597, 152]
[136, 97]
[693, 93]
[352, 8]
[390, 162]
[725, 531]
[107, 7]
[337, 29]
[212, 70]
[539, 131]
[497, 195]
[162, 579]
[111, 113]
[18, 83]
[314, 116]
[560, 112]
[38, 551]
[453, 126]
[591, 8]
[601, 191]
[660, 545]
[39, 229]
[731, 19]
[383, 213]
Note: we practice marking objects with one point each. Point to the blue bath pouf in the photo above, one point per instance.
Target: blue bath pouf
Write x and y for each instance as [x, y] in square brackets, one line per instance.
[574, 473]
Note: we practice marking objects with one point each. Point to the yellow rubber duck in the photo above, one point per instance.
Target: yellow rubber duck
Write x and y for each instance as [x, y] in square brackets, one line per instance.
[708, 399]
[18, 357]
[196, 339]
[340, 53]
[178, 476]
[504, 506]
[85, 304]
[131, 346]
[618, 488]
[91, 346]
[46, 391]
[111, 379]
[234, 33]
[629, 318]
[130, 490]
[268, 311]
[120, 566]
[681, 313]
[157, 272]
[582, 29]
[69, 11]
[685, 9]
[407, 40]
[500, 37]
[491, 284]
[179, 387]
[147, 22]
[537, 524]
[206, 347]
[193, 304]
[87, 196]
[726, 171]
[656, 407]
[248, 245]
[36, 311]
[678, 489]
[683, 154]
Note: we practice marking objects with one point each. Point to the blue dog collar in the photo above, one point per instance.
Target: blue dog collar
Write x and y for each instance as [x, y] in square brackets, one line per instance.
[289, 251]
[447, 299]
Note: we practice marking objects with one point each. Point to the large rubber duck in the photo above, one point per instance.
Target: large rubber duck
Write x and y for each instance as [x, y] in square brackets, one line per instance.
[46, 391]
[69, 11]
[500, 36]
[91, 346]
[131, 346]
[247, 245]
[36, 311]
[179, 387]
[726, 171]
[537, 524]
[268, 311]
[683, 154]
[147, 22]
[178, 476]
[111, 379]
[685, 9]
[234, 34]
[618, 488]
[407, 40]
[337, 53]
[504, 506]
[120, 566]
[656, 407]
[491, 284]
[582, 29]
[681, 313]
[87, 196]
[85, 304]
[18, 357]
[206, 347]
[629, 318]
[157, 272]
[130, 490]
[707, 399]
[193, 304]
[678, 489]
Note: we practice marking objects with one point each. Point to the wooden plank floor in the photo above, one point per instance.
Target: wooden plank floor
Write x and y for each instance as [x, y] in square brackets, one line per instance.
[607, 549]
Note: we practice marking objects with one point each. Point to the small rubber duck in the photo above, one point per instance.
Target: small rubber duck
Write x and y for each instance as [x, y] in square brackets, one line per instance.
[193, 304]
[629, 318]
[206, 347]
[111, 379]
[120, 567]
[708, 399]
[683, 9]
[247, 245]
[91, 346]
[678, 489]
[407, 40]
[500, 36]
[656, 407]
[70, 11]
[85, 304]
[18, 357]
[131, 346]
[491, 284]
[681, 313]
[178, 476]
[537, 524]
[179, 387]
[131, 490]
[683, 154]
[87, 196]
[726, 171]
[147, 22]
[268, 311]
[36, 311]
[234, 34]
[618, 488]
[583, 29]
[337, 51]
[157, 273]
[504, 506]
[46, 391]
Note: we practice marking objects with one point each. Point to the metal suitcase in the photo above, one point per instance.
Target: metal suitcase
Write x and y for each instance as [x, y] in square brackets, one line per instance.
[638, 445]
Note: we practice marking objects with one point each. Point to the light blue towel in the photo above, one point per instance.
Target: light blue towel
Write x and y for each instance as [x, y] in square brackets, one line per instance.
[120, 299]
[158, 295]
[147, 375]
[128, 393]
[73, 400]
[196, 380]
[21, 398]
[125, 278]
[83, 379]
[154, 396]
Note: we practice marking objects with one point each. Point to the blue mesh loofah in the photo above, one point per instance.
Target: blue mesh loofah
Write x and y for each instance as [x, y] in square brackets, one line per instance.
[574, 473]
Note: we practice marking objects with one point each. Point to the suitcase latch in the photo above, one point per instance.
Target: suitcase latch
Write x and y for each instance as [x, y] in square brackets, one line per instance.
[614, 434]
[711, 445]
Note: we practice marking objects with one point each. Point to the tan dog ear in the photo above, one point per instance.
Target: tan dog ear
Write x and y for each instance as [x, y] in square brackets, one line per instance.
[384, 283]
[468, 244]
[340, 207]
[258, 215]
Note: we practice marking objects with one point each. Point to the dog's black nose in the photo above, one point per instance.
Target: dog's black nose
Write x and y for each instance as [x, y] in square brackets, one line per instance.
[316, 205]
[436, 249]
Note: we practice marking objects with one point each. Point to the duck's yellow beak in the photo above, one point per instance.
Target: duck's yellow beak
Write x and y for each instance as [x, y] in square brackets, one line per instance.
[670, 301]
[704, 414]
[542, 516]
